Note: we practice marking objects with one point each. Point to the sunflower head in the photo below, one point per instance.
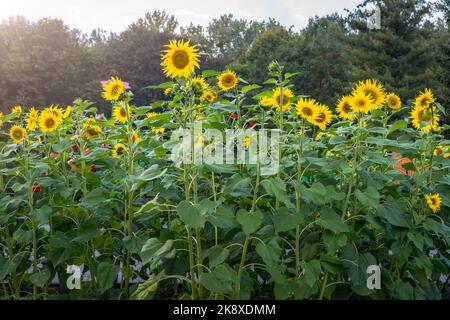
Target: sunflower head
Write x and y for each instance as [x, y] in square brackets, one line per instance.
[307, 109]
[227, 80]
[56, 110]
[323, 117]
[121, 113]
[49, 121]
[92, 131]
[441, 150]
[179, 59]
[373, 89]
[134, 138]
[158, 130]
[361, 102]
[198, 85]
[67, 112]
[119, 150]
[393, 101]
[17, 133]
[284, 98]
[151, 115]
[17, 110]
[209, 96]
[113, 89]
[31, 120]
[1, 119]
[266, 102]
[425, 99]
[168, 91]
[425, 119]
[434, 202]
[345, 109]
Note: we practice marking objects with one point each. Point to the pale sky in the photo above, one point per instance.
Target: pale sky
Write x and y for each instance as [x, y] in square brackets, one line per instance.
[116, 15]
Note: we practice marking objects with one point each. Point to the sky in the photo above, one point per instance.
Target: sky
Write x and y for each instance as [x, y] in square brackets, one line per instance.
[116, 15]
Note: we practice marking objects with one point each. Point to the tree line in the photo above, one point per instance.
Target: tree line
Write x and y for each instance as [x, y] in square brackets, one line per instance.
[46, 62]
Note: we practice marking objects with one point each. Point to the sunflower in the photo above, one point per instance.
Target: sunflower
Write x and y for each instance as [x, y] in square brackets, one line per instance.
[266, 102]
[1, 120]
[113, 89]
[31, 120]
[134, 138]
[151, 115]
[393, 101]
[48, 121]
[180, 59]
[425, 119]
[209, 96]
[17, 110]
[323, 117]
[158, 130]
[199, 85]
[375, 90]
[287, 94]
[441, 150]
[119, 150]
[434, 202]
[56, 110]
[247, 142]
[425, 99]
[345, 109]
[17, 133]
[91, 131]
[120, 113]
[361, 102]
[227, 80]
[307, 109]
[67, 112]
[168, 91]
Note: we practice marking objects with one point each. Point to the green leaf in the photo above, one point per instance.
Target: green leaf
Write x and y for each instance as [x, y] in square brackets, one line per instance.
[87, 234]
[190, 215]
[154, 250]
[277, 188]
[249, 222]
[144, 289]
[217, 255]
[23, 236]
[370, 198]
[397, 125]
[219, 281]
[106, 274]
[164, 85]
[210, 73]
[40, 278]
[392, 211]
[223, 218]
[312, 271]
[284, 221]
[250, 87]
[41, 215]
[331, 221]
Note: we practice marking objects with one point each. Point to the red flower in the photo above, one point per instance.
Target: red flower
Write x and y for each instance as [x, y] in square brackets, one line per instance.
[250, 124]
[61, 212]
[93, 168]
[36, 189]
[75, 148]
[233, 116]
[87, 154]
[73, 168]
[54, 155]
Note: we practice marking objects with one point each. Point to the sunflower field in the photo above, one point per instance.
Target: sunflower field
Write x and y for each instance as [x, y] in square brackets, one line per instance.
[360, 185]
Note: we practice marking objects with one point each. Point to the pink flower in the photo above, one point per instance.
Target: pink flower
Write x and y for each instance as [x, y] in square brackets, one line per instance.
[73, 168]
[126, 85]
[104, 83]
[71, 160]
[87, 154]
[54, 155]
[105, 146]
[100, 117]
